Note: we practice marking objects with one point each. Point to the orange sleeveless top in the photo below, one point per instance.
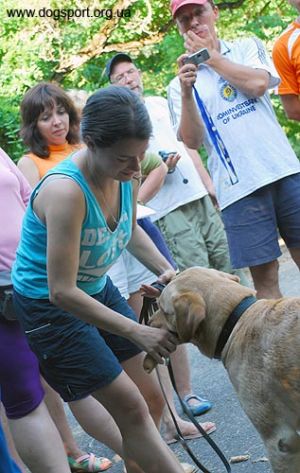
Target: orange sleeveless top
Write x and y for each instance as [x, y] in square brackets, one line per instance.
[57, 154]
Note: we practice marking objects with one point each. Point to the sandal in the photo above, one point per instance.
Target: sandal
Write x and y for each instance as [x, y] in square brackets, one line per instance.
[89, 463]
[209, 428]
[197, 409]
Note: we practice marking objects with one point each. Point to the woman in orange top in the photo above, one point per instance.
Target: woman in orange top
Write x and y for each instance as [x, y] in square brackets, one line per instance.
[50, 129]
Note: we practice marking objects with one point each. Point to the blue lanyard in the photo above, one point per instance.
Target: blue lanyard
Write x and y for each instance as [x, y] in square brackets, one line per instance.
[216, 139]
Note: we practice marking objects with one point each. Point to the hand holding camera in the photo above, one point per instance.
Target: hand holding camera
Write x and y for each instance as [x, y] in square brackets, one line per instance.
[197, 58]
[171, 158]
[188, 66]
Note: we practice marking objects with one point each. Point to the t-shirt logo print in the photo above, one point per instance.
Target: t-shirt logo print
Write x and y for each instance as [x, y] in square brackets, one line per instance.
[227, 91]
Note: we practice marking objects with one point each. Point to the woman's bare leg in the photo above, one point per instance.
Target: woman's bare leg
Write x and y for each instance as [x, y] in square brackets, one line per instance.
[148, 386]
[97, 422]
[125, 403]
[55, 407]
[187, 428]
[10, 442]
[38, 442]
[92, 417]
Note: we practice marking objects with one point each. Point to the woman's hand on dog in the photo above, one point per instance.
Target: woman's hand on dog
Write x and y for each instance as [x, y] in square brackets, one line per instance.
[159, 343]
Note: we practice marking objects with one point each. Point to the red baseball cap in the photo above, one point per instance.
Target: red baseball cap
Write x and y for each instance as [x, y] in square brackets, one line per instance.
[176, 4]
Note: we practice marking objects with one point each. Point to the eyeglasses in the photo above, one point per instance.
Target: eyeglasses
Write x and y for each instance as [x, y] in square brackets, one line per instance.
[120, 78]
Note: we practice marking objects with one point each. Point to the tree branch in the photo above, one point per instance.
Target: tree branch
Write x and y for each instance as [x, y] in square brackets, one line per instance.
[95, 47]
[230, 5]
[99, 43]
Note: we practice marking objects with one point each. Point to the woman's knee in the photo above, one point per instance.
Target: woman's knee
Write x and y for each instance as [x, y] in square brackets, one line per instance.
[155, 401]
[135, 413]
[123, 401]
[147, 384]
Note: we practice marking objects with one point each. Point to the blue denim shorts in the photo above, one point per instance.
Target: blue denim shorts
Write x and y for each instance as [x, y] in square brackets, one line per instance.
[252, 223]
[75, 358]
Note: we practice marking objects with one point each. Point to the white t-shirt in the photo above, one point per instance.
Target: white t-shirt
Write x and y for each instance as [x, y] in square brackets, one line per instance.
[257, 146]
[174, 191]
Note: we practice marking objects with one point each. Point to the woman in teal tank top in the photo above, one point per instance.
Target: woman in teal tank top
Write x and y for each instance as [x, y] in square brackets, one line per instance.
[81, 216]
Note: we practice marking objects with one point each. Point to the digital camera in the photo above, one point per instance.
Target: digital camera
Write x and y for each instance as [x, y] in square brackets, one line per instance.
[197, 58]
[165, 154]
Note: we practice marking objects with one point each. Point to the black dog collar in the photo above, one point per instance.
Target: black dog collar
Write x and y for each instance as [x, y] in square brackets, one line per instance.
[231, 322]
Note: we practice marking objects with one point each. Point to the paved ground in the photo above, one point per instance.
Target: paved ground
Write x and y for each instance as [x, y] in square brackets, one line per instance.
[235, 435]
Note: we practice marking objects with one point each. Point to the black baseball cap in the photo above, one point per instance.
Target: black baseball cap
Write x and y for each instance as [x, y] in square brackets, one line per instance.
[119, 57]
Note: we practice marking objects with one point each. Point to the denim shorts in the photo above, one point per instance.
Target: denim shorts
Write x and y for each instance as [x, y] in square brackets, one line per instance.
[75, 358]
[252, 223]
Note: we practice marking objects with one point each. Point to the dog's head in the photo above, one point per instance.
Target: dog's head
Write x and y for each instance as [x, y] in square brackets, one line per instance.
[183, 303]
[182, 317]
[181, 314]
[196, 304]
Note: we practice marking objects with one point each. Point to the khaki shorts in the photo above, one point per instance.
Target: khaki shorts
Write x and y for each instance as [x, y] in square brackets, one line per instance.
[195, 235]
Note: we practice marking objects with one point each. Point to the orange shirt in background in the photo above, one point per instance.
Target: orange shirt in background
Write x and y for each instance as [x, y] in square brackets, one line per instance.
[57, 154]
[286, 57]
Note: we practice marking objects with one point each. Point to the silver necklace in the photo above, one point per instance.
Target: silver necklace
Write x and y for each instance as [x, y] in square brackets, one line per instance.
[116, 221]
[98, 187]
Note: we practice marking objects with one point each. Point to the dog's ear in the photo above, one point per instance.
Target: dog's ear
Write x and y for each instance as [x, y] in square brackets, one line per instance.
[189, 311]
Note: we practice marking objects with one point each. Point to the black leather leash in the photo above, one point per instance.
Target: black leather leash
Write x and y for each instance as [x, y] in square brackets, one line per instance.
[148, 309]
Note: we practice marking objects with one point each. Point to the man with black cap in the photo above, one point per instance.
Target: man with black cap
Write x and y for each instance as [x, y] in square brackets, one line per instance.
[255, 172]
[183, 194]
[184, 212]
[122, 71]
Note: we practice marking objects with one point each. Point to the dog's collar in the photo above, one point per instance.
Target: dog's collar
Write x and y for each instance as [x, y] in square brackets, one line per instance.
[231, 322]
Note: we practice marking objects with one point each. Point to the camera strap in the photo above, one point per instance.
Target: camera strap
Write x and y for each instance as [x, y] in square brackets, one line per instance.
[216, 139]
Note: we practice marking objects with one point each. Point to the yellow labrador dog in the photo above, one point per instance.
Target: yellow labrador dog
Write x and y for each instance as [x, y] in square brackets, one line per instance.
[258, 342]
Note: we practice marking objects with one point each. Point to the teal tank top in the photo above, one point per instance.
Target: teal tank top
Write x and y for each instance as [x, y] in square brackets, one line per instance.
[99, 246]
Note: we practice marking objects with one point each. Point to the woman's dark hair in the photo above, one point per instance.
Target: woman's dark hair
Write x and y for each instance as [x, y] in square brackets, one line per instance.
[36, 101]
[113, 114]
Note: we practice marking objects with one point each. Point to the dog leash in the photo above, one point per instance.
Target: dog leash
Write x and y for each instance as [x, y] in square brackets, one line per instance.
[149, 307]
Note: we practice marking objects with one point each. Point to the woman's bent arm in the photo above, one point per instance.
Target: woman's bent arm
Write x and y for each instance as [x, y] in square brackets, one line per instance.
[62, 208]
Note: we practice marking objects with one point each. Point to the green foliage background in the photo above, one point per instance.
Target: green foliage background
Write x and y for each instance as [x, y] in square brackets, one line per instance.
[74, 52]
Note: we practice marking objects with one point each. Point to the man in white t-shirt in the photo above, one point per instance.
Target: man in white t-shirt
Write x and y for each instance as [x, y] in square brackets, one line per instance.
[183, 210]
[255, 172]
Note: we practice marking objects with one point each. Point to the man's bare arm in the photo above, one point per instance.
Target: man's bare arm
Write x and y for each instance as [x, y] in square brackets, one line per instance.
[191, 129]
[291, 105]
